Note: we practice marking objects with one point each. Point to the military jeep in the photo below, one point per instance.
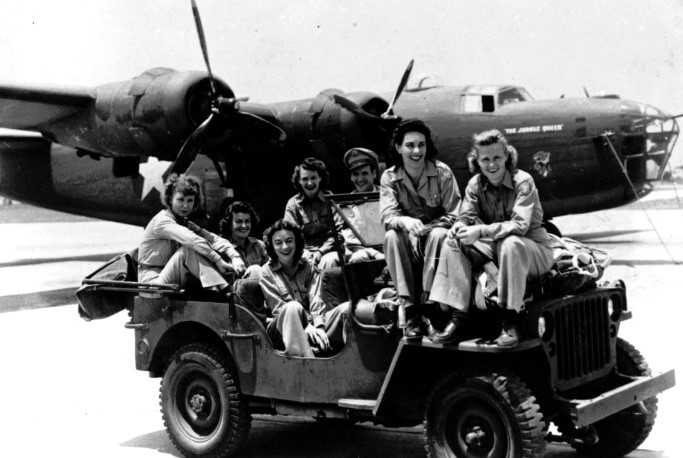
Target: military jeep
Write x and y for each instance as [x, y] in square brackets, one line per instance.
[474, 399]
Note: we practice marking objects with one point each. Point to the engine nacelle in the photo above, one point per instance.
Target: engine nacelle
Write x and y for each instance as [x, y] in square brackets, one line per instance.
[151, 115]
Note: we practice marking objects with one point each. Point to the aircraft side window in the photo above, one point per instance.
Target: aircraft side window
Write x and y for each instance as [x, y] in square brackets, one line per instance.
[488, 104]
[477, 103]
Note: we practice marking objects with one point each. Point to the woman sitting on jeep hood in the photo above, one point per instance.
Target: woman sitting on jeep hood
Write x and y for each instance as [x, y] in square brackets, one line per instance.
[173, 247]
[500, 220]
[291, 285]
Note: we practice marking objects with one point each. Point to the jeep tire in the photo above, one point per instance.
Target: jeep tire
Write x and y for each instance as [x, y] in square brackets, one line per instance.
[201, 404]
[491, 415]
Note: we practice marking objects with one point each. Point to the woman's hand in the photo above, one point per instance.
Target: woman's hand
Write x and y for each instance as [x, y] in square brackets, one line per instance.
[194, 227]
[318, 337]
[223, 267]
[313, 256]
[413, 226]
[455, 228]
[239, 266]
[468, 234]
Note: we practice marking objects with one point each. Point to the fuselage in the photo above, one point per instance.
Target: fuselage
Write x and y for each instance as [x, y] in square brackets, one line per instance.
[574, 148]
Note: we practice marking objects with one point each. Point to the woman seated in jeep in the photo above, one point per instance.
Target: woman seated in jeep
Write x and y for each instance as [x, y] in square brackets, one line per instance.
[174, 247]
[236, 226]
[291, 284]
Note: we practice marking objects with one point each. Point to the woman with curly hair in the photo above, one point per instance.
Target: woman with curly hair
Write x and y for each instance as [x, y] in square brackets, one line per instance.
[173, 247]
[236, 226]
[418, 202]
[310, 210]
[291, 286]
[500, 221]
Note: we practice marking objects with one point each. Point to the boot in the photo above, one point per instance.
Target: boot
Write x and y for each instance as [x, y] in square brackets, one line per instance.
[509, 335]
[413, 329]
[455, 330]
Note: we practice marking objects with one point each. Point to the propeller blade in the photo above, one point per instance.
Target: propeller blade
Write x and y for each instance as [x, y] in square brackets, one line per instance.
[202, 42]
[399, 89]
[585, 91]
[354, 108]
[191, 148]
[281, 133]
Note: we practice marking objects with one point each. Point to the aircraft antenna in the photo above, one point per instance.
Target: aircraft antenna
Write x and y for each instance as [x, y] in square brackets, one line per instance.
[606, 135]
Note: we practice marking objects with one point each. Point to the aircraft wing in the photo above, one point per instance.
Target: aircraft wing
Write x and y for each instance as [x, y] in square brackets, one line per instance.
[25, 107]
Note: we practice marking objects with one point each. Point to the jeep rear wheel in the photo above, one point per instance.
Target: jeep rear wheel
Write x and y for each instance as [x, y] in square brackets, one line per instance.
[203, 410]
[491, 416]
[625, 430]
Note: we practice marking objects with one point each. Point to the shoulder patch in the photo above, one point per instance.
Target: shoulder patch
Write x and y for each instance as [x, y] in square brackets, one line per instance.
[524, 189]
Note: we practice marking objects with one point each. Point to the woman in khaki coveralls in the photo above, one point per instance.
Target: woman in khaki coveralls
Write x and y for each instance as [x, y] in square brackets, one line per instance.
[418, 201]
[501, 216]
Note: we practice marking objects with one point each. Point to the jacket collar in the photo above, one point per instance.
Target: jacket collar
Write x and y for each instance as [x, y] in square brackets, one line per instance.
[300, 197]
[507, 181]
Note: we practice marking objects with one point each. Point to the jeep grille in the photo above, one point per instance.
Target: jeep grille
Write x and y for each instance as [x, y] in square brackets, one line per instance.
[584, 338]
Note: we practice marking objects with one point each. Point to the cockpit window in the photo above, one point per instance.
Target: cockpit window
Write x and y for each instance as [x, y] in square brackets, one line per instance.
[513, 95]
[492, 98]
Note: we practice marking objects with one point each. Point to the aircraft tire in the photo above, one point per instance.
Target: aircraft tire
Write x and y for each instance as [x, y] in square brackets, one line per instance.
[624, 431]
[202, 407]
[485, 415]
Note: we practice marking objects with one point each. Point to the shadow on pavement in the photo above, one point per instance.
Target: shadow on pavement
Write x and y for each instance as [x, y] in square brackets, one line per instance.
[31, 261]
[306, 438]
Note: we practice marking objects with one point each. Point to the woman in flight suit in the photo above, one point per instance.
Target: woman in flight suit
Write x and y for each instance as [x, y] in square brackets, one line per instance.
[310, 210]
[291, 285]
[500, 220]
[418, 201]
[173, 247]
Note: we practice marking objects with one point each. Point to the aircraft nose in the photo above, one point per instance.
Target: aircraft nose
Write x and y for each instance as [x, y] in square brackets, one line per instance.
[658, 129]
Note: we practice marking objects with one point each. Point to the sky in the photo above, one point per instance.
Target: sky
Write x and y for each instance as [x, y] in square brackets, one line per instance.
[275, 50]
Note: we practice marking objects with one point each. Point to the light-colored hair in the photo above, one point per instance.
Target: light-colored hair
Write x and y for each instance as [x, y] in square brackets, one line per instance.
[187, 185]
[491, 137]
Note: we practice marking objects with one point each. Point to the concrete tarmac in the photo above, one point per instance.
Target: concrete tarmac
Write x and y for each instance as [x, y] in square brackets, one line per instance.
[70, 389]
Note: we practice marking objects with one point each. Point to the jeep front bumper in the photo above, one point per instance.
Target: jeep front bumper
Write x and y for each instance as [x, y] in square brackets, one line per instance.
[587, 411]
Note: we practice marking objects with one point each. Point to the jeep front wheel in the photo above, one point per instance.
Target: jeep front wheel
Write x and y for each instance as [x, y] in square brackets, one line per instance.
[491, 416]
[203, 410]
[625, 430]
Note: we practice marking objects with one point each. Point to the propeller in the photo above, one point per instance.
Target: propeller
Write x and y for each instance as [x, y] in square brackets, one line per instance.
[399, 89]
[220, 106]
[388, 116]
[202, 43]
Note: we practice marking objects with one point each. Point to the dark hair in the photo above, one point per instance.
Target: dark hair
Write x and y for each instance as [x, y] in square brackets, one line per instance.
[491, 137]
[314, 165]
[284, 225]
[187, 185]
[238, 206]
[411, 125]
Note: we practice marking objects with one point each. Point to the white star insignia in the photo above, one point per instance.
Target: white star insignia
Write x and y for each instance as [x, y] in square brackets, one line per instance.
[153, 173]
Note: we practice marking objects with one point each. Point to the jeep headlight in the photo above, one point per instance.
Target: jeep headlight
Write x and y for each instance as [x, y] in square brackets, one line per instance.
[546, 326]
